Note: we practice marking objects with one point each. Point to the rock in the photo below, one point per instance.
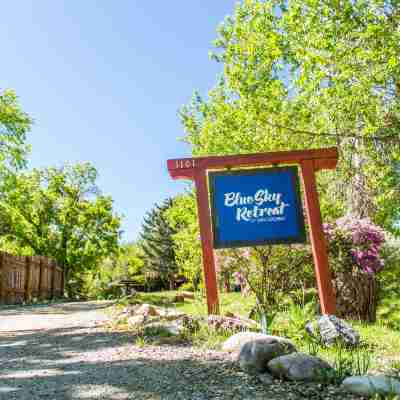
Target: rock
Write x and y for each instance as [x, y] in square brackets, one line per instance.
[329, 328]
[249, 321]
[265, 378]
[129, 310]
[235, 342]
[299, 367]
[147, 309]
[188, 295]
[136, 320]
[170, 314]
[220, 322]
[162, 329]
[370, 385]
[255, 355]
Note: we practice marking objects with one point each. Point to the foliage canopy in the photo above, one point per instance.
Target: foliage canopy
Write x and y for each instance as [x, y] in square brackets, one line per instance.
[60, 213]
[308, 74]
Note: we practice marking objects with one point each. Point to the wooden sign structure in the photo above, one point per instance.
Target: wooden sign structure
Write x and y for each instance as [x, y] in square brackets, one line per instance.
[310, 162]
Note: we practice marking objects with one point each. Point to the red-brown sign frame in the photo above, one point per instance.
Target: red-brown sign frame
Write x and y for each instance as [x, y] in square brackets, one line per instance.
[310, 161]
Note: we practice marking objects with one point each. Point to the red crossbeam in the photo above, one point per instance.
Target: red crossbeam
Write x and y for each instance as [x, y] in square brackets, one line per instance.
[183, 168]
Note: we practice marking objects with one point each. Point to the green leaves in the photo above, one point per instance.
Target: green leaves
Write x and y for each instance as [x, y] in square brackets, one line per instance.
[182, 217]
[60, 213]
[14, 125]
[309, 74]
[157, 245]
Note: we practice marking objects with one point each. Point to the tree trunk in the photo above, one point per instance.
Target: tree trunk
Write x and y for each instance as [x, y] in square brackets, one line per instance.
[356, 295]
[227, 283]
[359, 200]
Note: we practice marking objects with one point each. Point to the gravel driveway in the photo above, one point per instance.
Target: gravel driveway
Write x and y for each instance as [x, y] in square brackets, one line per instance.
[58, 352]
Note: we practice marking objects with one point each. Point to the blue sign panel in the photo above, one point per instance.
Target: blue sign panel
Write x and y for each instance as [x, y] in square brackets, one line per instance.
[255, 207]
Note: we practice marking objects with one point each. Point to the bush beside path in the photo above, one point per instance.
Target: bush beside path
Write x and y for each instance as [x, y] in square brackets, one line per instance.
[62, 352]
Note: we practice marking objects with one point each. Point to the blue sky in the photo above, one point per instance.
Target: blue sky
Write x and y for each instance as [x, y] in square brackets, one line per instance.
[104, 80]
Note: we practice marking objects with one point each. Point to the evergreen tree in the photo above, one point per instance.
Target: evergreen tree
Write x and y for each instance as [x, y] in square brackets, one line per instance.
[157, 245]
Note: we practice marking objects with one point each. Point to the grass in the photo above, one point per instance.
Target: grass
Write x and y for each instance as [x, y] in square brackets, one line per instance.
[229, 302]
[380, 350]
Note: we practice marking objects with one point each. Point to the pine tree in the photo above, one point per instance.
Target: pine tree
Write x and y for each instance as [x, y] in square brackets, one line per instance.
[157, 245]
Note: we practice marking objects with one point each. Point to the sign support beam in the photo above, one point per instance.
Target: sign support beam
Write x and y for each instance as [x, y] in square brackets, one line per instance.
[318, 244]
[210, 275]
[310, 162]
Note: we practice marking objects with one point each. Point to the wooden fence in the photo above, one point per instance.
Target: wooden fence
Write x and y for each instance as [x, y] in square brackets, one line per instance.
[23, 278]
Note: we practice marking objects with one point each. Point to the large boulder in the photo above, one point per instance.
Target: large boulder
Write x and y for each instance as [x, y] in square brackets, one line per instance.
[255, 355]
[299, 367]
[370, 385]
[236, 341]
[329, 329]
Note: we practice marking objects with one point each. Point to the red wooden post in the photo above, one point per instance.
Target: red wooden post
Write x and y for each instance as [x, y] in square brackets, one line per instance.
[319, 250]
[206, 241]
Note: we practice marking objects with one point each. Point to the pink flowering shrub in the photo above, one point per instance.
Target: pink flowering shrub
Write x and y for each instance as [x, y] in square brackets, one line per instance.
[356, 242]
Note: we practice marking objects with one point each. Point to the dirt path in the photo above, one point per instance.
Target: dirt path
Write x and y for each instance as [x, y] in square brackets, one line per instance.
[57, 352]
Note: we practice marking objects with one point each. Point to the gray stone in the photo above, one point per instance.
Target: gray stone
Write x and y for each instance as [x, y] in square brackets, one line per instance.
[147, 310]
[136, 320]
[235, 342]
[370, 385]
[328, 329]
[162, 329]
[188, 295]
[170, 314]
[265, 378]
[299, 367]
[255, 355]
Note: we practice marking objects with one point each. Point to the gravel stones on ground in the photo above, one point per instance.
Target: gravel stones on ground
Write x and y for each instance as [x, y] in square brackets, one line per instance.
[255, 355]
[73, 358]
[299, 367]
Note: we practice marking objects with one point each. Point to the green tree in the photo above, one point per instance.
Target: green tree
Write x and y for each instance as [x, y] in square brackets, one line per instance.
[102, 281]
[307, 74]
[60, 213]
[14, 125]
[182, 217]
[157, 244]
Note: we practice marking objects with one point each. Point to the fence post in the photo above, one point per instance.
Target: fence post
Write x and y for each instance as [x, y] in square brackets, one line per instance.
[40, 288]
[53, 278]
[62, 281]
[28, 279]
